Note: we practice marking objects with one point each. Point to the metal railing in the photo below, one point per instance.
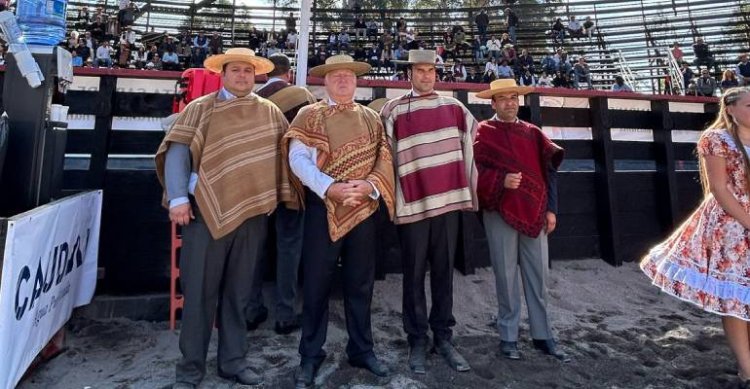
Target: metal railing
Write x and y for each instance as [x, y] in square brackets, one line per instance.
[678, 82]
[627, 73]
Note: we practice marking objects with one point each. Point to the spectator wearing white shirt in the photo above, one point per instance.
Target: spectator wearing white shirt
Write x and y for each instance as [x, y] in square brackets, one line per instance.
[494, 47]
[291, 40]
[575, 28]
[104, 55]
[491, 66]
[545, 81]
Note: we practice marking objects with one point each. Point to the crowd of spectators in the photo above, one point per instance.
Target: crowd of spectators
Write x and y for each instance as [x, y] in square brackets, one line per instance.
[480, 55]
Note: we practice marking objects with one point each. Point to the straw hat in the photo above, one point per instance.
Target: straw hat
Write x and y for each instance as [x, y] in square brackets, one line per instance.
[377, 104]
[504, 85]
[419, 56]
[215, 63]
[341, 61]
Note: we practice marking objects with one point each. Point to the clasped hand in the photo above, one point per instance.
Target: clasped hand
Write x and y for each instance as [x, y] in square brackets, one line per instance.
[351, 193]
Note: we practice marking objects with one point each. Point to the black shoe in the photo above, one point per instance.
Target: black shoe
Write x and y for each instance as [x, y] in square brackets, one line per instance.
[285, 327]
[304, 377]
[244, 377]
[510, 350]
[418, 357]
[262, 316]
[452, 356]
[549, 347]
[372, 364]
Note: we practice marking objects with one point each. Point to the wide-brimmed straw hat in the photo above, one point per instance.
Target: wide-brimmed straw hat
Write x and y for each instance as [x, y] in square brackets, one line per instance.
[504, 85]
[341, 61]
[215, 63]
[377, 104]
[419, 57]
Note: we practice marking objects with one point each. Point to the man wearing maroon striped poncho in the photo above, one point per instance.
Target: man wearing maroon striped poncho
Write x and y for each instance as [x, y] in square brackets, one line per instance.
[431, 136]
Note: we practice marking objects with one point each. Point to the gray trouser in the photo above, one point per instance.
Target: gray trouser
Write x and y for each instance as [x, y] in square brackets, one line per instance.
[514, 254]
[216, 272]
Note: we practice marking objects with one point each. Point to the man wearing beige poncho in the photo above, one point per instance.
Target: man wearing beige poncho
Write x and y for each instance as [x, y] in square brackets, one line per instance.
[221, 169]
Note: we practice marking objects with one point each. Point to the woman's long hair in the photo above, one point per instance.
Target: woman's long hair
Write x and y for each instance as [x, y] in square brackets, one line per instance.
[725, 121]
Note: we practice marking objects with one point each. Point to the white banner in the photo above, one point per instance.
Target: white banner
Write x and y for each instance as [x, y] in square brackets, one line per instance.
[49, 268]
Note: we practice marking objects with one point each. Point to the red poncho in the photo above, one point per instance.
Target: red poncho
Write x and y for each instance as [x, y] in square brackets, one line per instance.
[503, 148]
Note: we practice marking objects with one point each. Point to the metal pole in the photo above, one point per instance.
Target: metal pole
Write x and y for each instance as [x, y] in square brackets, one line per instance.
[303, 41]
[273, 21]
[234, 11]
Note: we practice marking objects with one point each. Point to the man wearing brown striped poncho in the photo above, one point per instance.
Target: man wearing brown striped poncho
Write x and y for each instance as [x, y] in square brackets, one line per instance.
[432, 137]
[338, 151]
[221, 169]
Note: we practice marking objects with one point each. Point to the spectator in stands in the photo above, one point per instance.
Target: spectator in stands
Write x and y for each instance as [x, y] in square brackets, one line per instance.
[155, 63]
[140, 56]
[152, 51]
[511, 20]
[126, 17]
[459, 71]
[575, 28]
[216, 44]
[743, 70]
[360, 27]
[473, 76]
[691, 88]
[564, 65]
[401, 26]
[372, 29]
[101, 14]
[76, 60]
[705, 84]
[83, 19]
[588, 27]
[291, 40]
[491, 65]
[558, 32]
[128, 35]
[359, 53]
[545, 81]
[677, 52]
[83, 50]
[387, 56]
[459, 38]
[399, 53]
[89, 42]
[373, 57]
[528, 79]
[123, 4]
[388, 26]
[482, 21]
[703, 55]
[582, 73]
[505, 40]
[200, 49]
[478, 50]
[170, 60]
[449, 49]
[729, 80]
[104, 55]
[411, 40]
[290, 22]
[561, 80]
[620, 85]
[333, 42]
[167, 44]
[123, 53]
[344, 40]
[98, 29]
[509, 55]
[72, 41]
[687, 73]
[494, 48]
[525, 62]
[548, 64]
[504, 70]
[386, 39]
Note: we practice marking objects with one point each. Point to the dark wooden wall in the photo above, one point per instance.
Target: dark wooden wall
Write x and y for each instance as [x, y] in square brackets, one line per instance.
[608, 214]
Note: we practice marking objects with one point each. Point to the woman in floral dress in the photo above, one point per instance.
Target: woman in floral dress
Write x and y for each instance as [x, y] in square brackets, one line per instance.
[706, 261]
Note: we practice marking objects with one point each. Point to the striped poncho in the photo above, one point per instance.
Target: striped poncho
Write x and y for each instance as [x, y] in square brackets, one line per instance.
[432, 139]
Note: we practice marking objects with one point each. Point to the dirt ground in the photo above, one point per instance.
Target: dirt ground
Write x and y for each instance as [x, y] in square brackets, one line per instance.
[620, 331]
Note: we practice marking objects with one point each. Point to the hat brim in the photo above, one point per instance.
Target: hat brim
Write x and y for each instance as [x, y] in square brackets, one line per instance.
[404, 62]
[215, 63]
[489, 93]
[377, 104]
[359, 68]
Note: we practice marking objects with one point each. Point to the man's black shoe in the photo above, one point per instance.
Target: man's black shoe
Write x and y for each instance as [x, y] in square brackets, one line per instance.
[510, 350]
[418, 357]
[244, 377]
[262, 316]
[304, 377]
[549, 347]
[372, 364]
[285, 327]
[452, 356]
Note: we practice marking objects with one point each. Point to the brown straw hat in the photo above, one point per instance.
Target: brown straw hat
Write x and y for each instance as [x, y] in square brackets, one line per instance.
[341, 61]
[504, 85]
[215, 63]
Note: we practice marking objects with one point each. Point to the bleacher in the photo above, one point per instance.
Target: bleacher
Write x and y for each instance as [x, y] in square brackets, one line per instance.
[629, 40]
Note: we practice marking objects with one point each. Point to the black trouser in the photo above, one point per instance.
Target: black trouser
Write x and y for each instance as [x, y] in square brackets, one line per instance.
[216, 272]
[431, 241]
[319, 262]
